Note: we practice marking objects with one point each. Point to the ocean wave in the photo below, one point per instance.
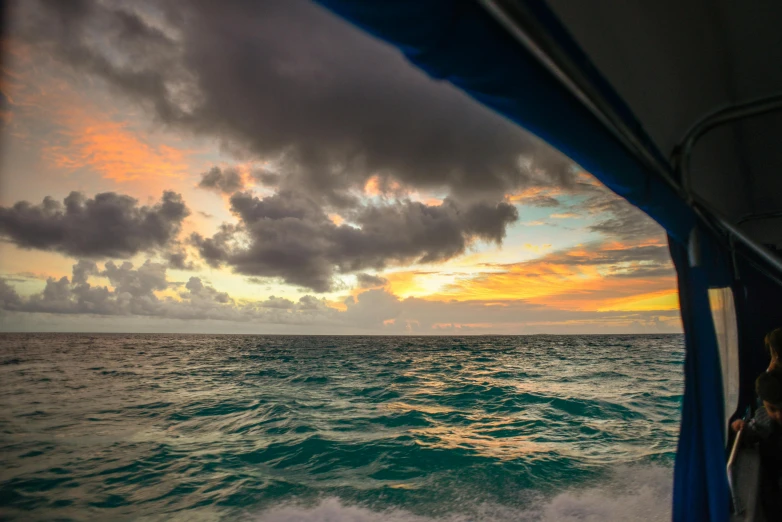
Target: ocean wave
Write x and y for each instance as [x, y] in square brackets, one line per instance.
[357, 429]
[632, 493]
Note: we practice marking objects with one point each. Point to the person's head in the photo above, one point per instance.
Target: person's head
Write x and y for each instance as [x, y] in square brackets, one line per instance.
[774, 346]
[769, 388]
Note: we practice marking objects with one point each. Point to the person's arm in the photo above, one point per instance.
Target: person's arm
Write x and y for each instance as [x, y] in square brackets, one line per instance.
[755, 429]
[747, 433]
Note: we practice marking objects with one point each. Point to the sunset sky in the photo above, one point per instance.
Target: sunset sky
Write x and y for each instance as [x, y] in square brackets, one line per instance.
[263, 167]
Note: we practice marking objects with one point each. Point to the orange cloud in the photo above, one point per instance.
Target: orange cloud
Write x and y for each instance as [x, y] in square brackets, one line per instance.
[641, 242]
[534, 192]
[58, 112]
[113, 149]
[583, 278]
[537, 248]
[377, 186]
[432, 202]
[621, 321]
[372, 187]
[667, 299]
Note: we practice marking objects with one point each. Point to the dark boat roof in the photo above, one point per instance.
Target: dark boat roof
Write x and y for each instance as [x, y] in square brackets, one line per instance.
[675, 62]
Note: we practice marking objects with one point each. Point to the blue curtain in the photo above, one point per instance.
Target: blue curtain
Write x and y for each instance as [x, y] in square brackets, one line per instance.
[700, 483]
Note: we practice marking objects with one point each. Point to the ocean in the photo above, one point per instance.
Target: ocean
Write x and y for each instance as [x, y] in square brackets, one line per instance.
[327, 429]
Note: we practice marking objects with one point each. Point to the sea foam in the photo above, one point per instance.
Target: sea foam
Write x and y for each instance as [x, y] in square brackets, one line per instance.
[633, 493]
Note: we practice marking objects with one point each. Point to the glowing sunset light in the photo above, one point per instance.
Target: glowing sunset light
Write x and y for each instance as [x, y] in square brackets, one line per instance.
[115, 152]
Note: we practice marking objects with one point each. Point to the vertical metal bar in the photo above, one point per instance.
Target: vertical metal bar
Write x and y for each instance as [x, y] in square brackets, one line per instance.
[737, 506]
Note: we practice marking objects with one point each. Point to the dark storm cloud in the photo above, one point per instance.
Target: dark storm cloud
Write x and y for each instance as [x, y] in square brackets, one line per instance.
[114, 44]
[229, 180]
[620, 219]
[266, 178]
[196, 287]
[141, 282]
[287, 80]
[177, 259]
[108, 225]
[82, 270]
[226, 180]
[214, 250]
[9, 299]
[370, 281]
[289, 236]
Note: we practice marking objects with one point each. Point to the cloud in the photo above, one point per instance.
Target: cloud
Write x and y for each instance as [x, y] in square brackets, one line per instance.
[545, 196]
[82, 270]
[112, 149]
[266, 178]
[333, 109]
[325, 114]
[416, 316]
[289, 236]
[370, 281]
[278, 302]
[542, 201]
[619, 219]
[116, 45]
[373, 308]
[593, 277]
[9, 299]
[226, 180]
[135, 292]
[108, 225]
[76, 124]
[608, 255]
[177, 259]
[214, 250]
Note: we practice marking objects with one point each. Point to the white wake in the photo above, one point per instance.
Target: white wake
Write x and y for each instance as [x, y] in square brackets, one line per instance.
[633, 493]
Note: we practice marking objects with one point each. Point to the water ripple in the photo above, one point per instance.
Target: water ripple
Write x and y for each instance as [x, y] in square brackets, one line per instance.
[274, 428]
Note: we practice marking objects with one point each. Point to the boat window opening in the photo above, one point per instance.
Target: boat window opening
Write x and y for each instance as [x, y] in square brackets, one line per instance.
[723, 312]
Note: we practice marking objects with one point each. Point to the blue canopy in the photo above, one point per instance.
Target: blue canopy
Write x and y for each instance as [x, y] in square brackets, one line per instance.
[461, 42]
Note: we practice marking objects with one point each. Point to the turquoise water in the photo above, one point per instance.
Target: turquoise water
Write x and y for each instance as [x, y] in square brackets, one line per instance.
[199, 427]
